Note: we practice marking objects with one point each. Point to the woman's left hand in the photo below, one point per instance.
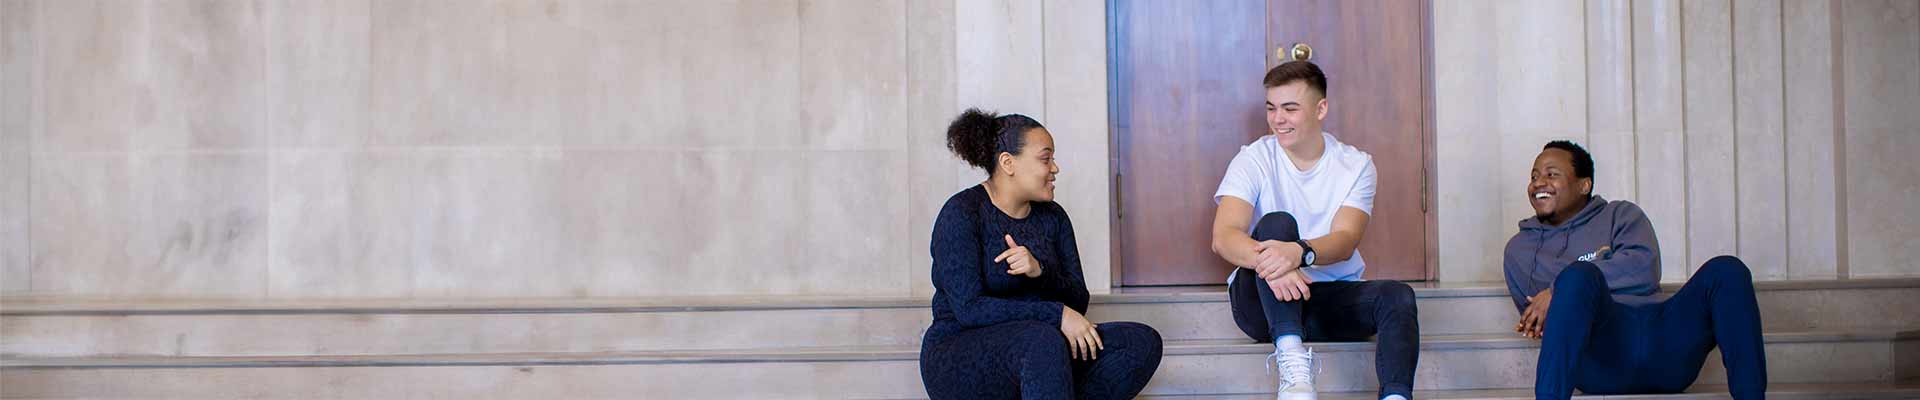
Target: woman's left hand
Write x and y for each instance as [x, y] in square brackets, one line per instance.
[1019, 260]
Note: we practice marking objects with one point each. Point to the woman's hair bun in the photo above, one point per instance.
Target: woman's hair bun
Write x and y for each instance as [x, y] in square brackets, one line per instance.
[973, 136]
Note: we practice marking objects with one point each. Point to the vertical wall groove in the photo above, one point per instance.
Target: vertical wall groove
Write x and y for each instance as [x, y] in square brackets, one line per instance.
[1686, 180]
[1841, 251]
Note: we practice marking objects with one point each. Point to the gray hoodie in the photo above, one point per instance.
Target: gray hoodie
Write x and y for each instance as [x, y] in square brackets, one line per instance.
[1615, 236]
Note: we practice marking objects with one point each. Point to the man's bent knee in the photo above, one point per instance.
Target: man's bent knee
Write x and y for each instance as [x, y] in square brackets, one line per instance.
[1277, 226]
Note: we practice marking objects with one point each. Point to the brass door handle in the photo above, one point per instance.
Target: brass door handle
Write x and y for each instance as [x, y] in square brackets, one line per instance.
[1296, 52]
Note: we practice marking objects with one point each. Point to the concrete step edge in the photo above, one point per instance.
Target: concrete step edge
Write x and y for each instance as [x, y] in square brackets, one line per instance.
[1199, 347]
[54, 306]
[1862, 390]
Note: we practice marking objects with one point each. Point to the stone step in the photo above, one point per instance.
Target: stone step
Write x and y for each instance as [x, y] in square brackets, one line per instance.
[1793, 391]
[1191, 367]
[60, 327]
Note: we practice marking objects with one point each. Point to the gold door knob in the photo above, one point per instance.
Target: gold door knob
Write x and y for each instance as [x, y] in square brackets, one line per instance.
[1296, 52]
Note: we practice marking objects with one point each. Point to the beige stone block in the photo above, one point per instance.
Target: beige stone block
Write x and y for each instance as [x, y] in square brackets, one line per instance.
[740, 233]
[608, 325]
[718, 63]
[561, 67]
[1540, 56]
[1877, 38]
[1659, 137]
[15, 196]
[1076, 106]
[1343, 370]
[483, 225]
[933, 173]
[20, 66]
[1867, 361]
[340, 226]
[80, 212]
[206, 69]
[1188, 368]
[453, 334]
[601, 65]
[853, 79]
[114, 225]
[95, 79]
[197, 226]
[881, 379]
[1882, 83]
[1174, 321]
[1816, 310]
[621, 214]
[1467, 315]
[1813, 212]
[522, 73]
[1759, 130]
[1000, 49]
[1610, 111]
[1663, 196]
[723, 74]
[853, 92]
[853, 240]
[1709, 119]
[1472, 224]
[436, 224]
[441, 76]
[319, 73]
[19, 122]
[762, 222]
[1485, 151]
[1467, 368]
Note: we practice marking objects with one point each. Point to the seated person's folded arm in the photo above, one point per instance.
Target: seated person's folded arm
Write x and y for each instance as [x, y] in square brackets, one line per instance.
[1230, 239]
[1349, 225]
[956, 273]
[1632, 265]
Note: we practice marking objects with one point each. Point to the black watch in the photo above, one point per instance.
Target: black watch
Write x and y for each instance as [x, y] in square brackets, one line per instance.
[1306, 254]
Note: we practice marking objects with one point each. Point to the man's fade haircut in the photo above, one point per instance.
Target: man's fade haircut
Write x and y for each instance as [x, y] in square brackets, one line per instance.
[1298, 71]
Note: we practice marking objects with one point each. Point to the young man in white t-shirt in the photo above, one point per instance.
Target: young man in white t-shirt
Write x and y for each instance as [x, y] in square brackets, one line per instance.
[1311, 196]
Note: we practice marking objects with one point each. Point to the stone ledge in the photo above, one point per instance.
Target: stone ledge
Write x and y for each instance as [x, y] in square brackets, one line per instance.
[42, 306]
[807, 354]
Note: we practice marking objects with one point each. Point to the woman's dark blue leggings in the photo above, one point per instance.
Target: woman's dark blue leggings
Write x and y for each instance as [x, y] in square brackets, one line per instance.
[1030, 360]
[1604, 347]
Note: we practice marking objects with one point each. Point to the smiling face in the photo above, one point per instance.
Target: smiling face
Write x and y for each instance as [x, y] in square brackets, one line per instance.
[1553, 190]
[1033, 171]
[1294, 112]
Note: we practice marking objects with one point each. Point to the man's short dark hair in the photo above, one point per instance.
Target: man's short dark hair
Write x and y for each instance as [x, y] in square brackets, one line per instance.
[1582, 162]
[1298, 71]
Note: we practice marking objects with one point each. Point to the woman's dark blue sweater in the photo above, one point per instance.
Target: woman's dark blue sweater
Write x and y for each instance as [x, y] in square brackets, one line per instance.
[971, 291]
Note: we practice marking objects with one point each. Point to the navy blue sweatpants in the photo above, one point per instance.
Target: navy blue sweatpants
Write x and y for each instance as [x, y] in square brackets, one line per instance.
[1030, 360]
[1604, 347]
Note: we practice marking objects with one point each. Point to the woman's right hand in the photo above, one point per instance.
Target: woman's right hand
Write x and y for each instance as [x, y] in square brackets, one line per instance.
[1082, 339]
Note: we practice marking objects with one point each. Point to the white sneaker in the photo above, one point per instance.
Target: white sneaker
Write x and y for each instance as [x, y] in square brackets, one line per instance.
[1296, 374]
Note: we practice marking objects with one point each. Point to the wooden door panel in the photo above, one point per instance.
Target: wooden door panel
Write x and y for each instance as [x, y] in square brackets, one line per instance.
[1186, 94]
[1185, 97]
[1374, 54]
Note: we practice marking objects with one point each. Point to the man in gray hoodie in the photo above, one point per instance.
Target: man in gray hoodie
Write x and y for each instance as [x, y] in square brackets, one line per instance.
[1595, 264]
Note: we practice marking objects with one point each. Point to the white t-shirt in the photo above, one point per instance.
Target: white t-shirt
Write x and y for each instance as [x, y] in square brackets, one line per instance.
[1263, 176]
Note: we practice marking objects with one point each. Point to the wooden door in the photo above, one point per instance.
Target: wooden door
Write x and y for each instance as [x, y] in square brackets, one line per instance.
[1186, 94]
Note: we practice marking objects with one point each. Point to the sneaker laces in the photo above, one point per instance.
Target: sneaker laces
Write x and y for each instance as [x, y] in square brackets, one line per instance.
[1295, 367]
